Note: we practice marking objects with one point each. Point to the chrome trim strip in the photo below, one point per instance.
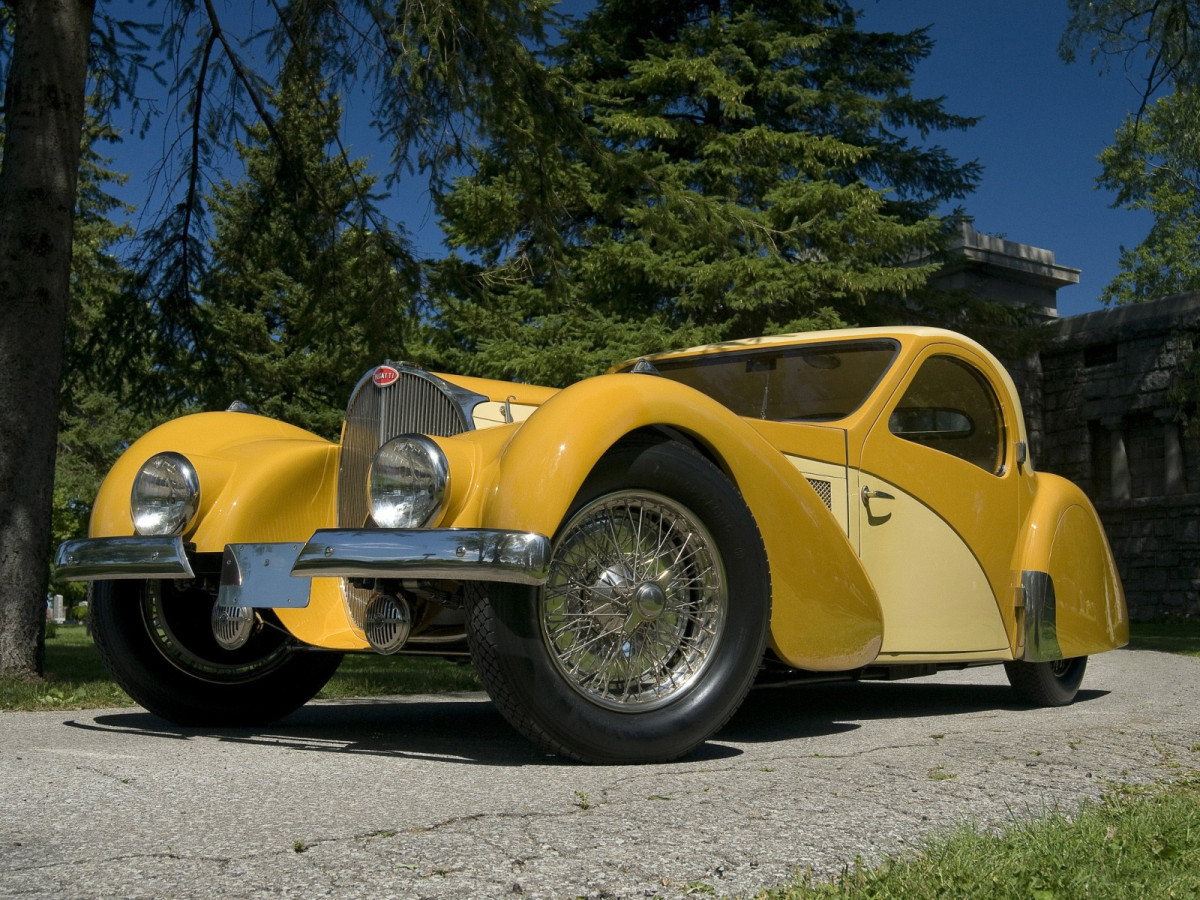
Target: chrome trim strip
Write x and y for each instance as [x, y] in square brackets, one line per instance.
[143, 556]
[1041, 623]
[259, 575]
[469, 554]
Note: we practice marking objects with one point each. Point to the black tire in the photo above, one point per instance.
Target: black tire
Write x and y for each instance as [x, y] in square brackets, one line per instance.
[157, 643]
[1047, 683]
[653, 624]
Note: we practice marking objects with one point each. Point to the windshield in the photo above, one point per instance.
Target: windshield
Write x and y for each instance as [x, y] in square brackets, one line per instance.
[814, 383]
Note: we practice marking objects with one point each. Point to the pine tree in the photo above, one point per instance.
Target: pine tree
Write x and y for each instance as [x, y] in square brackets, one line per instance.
[99, 409]
[305, 288]
[746, 175]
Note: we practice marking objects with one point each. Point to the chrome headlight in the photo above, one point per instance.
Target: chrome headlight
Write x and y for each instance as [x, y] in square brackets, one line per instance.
[406, 485]
[166, 495]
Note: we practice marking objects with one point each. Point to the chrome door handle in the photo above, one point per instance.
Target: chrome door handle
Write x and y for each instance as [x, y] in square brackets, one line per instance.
[868, 495]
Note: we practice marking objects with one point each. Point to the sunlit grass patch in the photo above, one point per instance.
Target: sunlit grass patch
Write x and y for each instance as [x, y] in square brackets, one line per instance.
[1135, 843]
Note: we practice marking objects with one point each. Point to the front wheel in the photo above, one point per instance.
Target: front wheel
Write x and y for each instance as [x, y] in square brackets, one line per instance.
[652, 625]
[158, 643]
[1047, 683]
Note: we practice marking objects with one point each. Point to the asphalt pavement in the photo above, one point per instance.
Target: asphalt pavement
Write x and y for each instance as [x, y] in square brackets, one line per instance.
[435, 797]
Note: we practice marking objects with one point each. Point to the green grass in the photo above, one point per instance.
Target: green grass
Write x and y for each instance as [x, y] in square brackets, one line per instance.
[75, 678]
[1134, 843]
[371, 675]
[1181, 636]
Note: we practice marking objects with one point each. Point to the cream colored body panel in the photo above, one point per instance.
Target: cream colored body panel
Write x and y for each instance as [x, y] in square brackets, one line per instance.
[936, 598]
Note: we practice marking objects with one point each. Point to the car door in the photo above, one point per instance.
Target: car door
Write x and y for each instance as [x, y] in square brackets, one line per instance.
[938, 509]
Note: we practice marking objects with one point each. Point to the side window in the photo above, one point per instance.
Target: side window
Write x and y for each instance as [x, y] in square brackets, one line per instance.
[950, 407]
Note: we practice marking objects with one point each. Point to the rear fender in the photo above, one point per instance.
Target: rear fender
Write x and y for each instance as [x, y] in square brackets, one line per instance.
[825, 612]
[1073, 602]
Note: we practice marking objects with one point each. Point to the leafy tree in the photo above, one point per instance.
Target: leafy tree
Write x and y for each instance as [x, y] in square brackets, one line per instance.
[745, 174]
[1158, 41]
[303, 291]
[1154, 164]
[441, 73]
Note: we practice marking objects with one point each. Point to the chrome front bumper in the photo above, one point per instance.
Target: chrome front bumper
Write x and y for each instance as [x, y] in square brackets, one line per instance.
[89, 559]
[269, 575]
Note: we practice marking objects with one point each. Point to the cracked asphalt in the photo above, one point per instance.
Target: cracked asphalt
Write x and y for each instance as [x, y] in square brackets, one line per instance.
[434, 797]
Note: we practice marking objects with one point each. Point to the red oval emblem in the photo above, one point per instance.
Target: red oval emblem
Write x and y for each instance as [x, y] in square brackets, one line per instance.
[385, 375]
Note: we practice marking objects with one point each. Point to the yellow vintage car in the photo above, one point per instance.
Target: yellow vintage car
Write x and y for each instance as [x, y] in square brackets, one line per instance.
[621, 559]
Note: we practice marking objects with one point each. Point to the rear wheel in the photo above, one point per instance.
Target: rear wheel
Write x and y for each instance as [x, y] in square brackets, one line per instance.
[158, 644]
[1052, 683]
[652, 625]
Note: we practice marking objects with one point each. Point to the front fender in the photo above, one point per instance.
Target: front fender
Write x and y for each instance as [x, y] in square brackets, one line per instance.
[1081, 605]
[825, 613]
[260, 480]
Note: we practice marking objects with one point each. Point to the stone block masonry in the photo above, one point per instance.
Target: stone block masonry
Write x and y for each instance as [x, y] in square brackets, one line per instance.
[1100, 414]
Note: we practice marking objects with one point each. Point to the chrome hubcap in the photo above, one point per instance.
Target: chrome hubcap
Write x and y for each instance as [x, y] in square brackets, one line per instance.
[649, 601]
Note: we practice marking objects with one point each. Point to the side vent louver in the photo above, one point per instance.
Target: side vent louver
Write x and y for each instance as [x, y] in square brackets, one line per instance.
[824, 490]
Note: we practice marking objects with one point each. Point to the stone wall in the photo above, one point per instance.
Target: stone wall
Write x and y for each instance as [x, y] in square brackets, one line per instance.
[1103, 419]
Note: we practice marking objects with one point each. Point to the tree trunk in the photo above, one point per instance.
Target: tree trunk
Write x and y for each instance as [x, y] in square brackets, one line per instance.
[44, 104]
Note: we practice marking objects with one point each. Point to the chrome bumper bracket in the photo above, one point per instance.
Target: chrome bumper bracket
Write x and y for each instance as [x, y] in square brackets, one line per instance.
[259, 575]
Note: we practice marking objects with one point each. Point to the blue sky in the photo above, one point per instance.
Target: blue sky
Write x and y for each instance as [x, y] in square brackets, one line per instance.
[1044, 122]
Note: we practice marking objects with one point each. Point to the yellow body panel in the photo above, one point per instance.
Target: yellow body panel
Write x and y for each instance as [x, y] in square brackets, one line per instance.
[1063, 537]
[324, 622]
[260, 481]
[826, 623]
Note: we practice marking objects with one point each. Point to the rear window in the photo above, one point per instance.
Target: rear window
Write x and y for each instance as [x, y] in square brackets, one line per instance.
[814, 383]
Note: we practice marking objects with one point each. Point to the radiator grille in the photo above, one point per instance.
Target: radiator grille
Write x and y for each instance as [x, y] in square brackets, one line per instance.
[414, 403]
[824, 490]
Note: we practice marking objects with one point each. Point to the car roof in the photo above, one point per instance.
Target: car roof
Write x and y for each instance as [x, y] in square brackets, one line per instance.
[905, 334]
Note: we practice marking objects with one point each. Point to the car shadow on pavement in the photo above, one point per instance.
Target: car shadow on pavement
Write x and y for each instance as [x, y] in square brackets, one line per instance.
[467, 729]
[458, 730]
[812, 710]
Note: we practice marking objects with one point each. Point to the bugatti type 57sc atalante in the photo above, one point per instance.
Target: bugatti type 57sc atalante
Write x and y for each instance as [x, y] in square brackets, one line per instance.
[621, 559]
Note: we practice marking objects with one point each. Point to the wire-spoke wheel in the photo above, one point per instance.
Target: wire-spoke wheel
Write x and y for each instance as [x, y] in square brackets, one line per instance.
[652, 624]
[635, 601]
[1052, 683]
[158, 643]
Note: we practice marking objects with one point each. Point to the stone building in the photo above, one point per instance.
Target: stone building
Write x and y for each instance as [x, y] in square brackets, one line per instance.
[1108, 424]
[1098, 411]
